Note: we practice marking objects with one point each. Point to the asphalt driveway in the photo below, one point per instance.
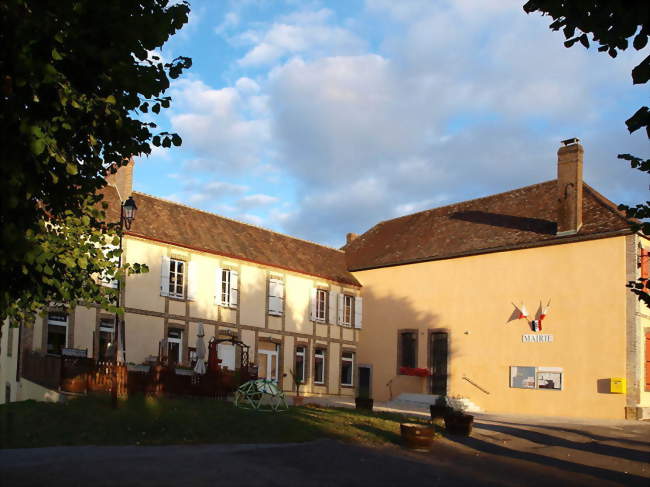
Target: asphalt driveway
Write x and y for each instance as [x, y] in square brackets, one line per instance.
[501, 451]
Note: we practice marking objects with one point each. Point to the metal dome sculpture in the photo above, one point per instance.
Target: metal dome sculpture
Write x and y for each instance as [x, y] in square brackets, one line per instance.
[260, 395]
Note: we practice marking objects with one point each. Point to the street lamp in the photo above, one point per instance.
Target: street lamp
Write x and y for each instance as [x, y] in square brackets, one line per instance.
[127, 214]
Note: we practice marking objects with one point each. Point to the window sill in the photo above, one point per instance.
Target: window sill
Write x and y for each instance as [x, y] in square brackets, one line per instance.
[177, 298]
[277, 315]
[345, 386]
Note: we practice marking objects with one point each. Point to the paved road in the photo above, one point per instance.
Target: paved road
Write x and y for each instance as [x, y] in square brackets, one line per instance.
[500, 452]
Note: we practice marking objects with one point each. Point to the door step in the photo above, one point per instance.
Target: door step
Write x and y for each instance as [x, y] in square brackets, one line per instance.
[421, 401]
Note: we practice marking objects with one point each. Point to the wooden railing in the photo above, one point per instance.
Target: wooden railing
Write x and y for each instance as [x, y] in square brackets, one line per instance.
[80, 375]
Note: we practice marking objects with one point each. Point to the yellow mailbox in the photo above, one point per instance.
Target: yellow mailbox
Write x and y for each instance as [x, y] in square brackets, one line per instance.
[617, 385]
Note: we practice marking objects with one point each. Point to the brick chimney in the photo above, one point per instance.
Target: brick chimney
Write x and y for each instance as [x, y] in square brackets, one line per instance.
[569, 187]
[122, 179]
[351, 236]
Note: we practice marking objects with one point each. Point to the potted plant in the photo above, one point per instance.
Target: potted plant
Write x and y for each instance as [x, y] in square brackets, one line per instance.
[363, 399]
[457, 422]
[439, 408]
[298, 400]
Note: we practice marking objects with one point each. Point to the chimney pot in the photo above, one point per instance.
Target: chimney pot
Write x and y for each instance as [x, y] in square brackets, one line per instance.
[569, 187]
[351, 236]
[122, 179]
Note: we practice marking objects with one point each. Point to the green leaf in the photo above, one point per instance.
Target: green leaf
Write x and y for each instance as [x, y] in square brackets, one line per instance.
[176, 140]
[55, 55]
[110, 99]
[71, 169]
[37, 146]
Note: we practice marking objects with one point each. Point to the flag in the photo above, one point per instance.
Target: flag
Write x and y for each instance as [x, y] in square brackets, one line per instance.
[545, 311]
[523, 312]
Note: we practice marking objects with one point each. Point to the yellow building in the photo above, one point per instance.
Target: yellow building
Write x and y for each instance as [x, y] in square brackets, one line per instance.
[444, 291]
[292, 302]
[516, 302]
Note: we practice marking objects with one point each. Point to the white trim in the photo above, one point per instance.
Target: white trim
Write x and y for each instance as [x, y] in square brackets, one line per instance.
[302, 354]
[351, 360]
[323, 356]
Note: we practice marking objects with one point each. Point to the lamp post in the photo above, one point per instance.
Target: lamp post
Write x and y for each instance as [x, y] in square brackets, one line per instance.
[127, 214]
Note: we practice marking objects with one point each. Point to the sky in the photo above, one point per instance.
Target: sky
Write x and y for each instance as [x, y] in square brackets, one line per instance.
[319, 118]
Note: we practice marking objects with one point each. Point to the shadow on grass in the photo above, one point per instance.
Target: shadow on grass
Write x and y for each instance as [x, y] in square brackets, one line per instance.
[142, 420]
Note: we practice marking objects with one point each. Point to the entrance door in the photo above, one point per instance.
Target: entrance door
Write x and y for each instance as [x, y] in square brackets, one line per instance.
[438, 355]
[268, 364]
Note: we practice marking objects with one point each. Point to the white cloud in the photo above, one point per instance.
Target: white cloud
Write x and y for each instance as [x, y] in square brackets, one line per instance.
[256, 200]
[306, 32]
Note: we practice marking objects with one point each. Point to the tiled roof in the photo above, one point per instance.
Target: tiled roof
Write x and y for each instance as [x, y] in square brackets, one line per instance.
[173, 223]
[524, 217]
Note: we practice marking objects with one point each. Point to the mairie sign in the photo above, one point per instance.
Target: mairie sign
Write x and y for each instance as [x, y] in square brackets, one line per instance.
[530, 338]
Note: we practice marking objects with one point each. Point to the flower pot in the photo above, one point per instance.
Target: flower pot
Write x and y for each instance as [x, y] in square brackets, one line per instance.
[438, 412]
[417, 436]
[459, 424]
[364, 403]
[298, 400]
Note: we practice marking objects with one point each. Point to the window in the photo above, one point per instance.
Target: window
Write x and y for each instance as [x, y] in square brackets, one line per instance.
[347, 368]
[276, 297]
[321, 305]
[57, 332]
[106, 337]
[176, 277]
[319, 366]
[228, 290]
[175, 345]
[348, 303]
[299, 368]
[407, 349]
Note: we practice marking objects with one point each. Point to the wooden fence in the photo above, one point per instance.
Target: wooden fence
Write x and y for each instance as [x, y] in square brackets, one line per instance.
[82, 375]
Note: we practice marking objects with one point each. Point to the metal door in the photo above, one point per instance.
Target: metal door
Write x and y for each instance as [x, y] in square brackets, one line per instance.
[438, 356]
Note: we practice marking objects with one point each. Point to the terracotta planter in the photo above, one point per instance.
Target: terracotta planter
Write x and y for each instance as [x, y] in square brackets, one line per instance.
[417, 436]
[364, 403]
[298, 400]
[459, 424]
[75, 385]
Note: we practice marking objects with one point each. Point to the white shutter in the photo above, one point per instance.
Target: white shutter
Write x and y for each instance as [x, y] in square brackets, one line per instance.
[191, 281]
[234, 288]
[313, 304]
[164, 276]
[276, 296]
[358, 311]
[332, 295]
[217, 285]
[341, 310]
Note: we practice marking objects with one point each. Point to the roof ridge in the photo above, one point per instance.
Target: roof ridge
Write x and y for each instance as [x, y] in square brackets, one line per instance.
[238, 221]
[464, 201]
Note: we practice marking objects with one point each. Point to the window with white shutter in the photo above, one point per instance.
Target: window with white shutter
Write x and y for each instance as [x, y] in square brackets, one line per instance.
[110, 251]
[177, 273]
[164, 276]
[358, 311]
[332, 301]
[276, 297]
[229, 288]
[319, 305]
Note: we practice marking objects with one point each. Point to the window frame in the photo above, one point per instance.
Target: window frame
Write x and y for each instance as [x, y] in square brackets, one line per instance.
[179, 341]
[105, 329]
[173, 278]
[400, 348]
[226, 287]
[303, 354]
[50, 322]
[351, 361]
[348, 298]
[321, 305]
[322, 356]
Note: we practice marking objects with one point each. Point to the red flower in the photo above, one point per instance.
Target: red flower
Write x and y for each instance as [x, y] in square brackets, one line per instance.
[414, 371]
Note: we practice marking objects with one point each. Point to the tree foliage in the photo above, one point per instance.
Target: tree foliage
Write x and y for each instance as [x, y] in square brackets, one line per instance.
[75, 78]
[613, 25]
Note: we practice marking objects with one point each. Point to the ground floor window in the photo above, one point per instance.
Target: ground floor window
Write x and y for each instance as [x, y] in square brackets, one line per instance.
[347, 369]
[175, 345]
[299, 368]
[407, 348]
[57, 332]
[319, 366]
[106, 338]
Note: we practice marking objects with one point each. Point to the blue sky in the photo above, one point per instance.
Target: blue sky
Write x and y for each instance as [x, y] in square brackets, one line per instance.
[318, 118]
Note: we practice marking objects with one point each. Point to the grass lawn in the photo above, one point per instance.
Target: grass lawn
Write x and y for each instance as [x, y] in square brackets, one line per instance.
[159, 421]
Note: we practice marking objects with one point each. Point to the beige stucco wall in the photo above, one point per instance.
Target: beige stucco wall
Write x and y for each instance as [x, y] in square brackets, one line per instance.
[472, 298]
